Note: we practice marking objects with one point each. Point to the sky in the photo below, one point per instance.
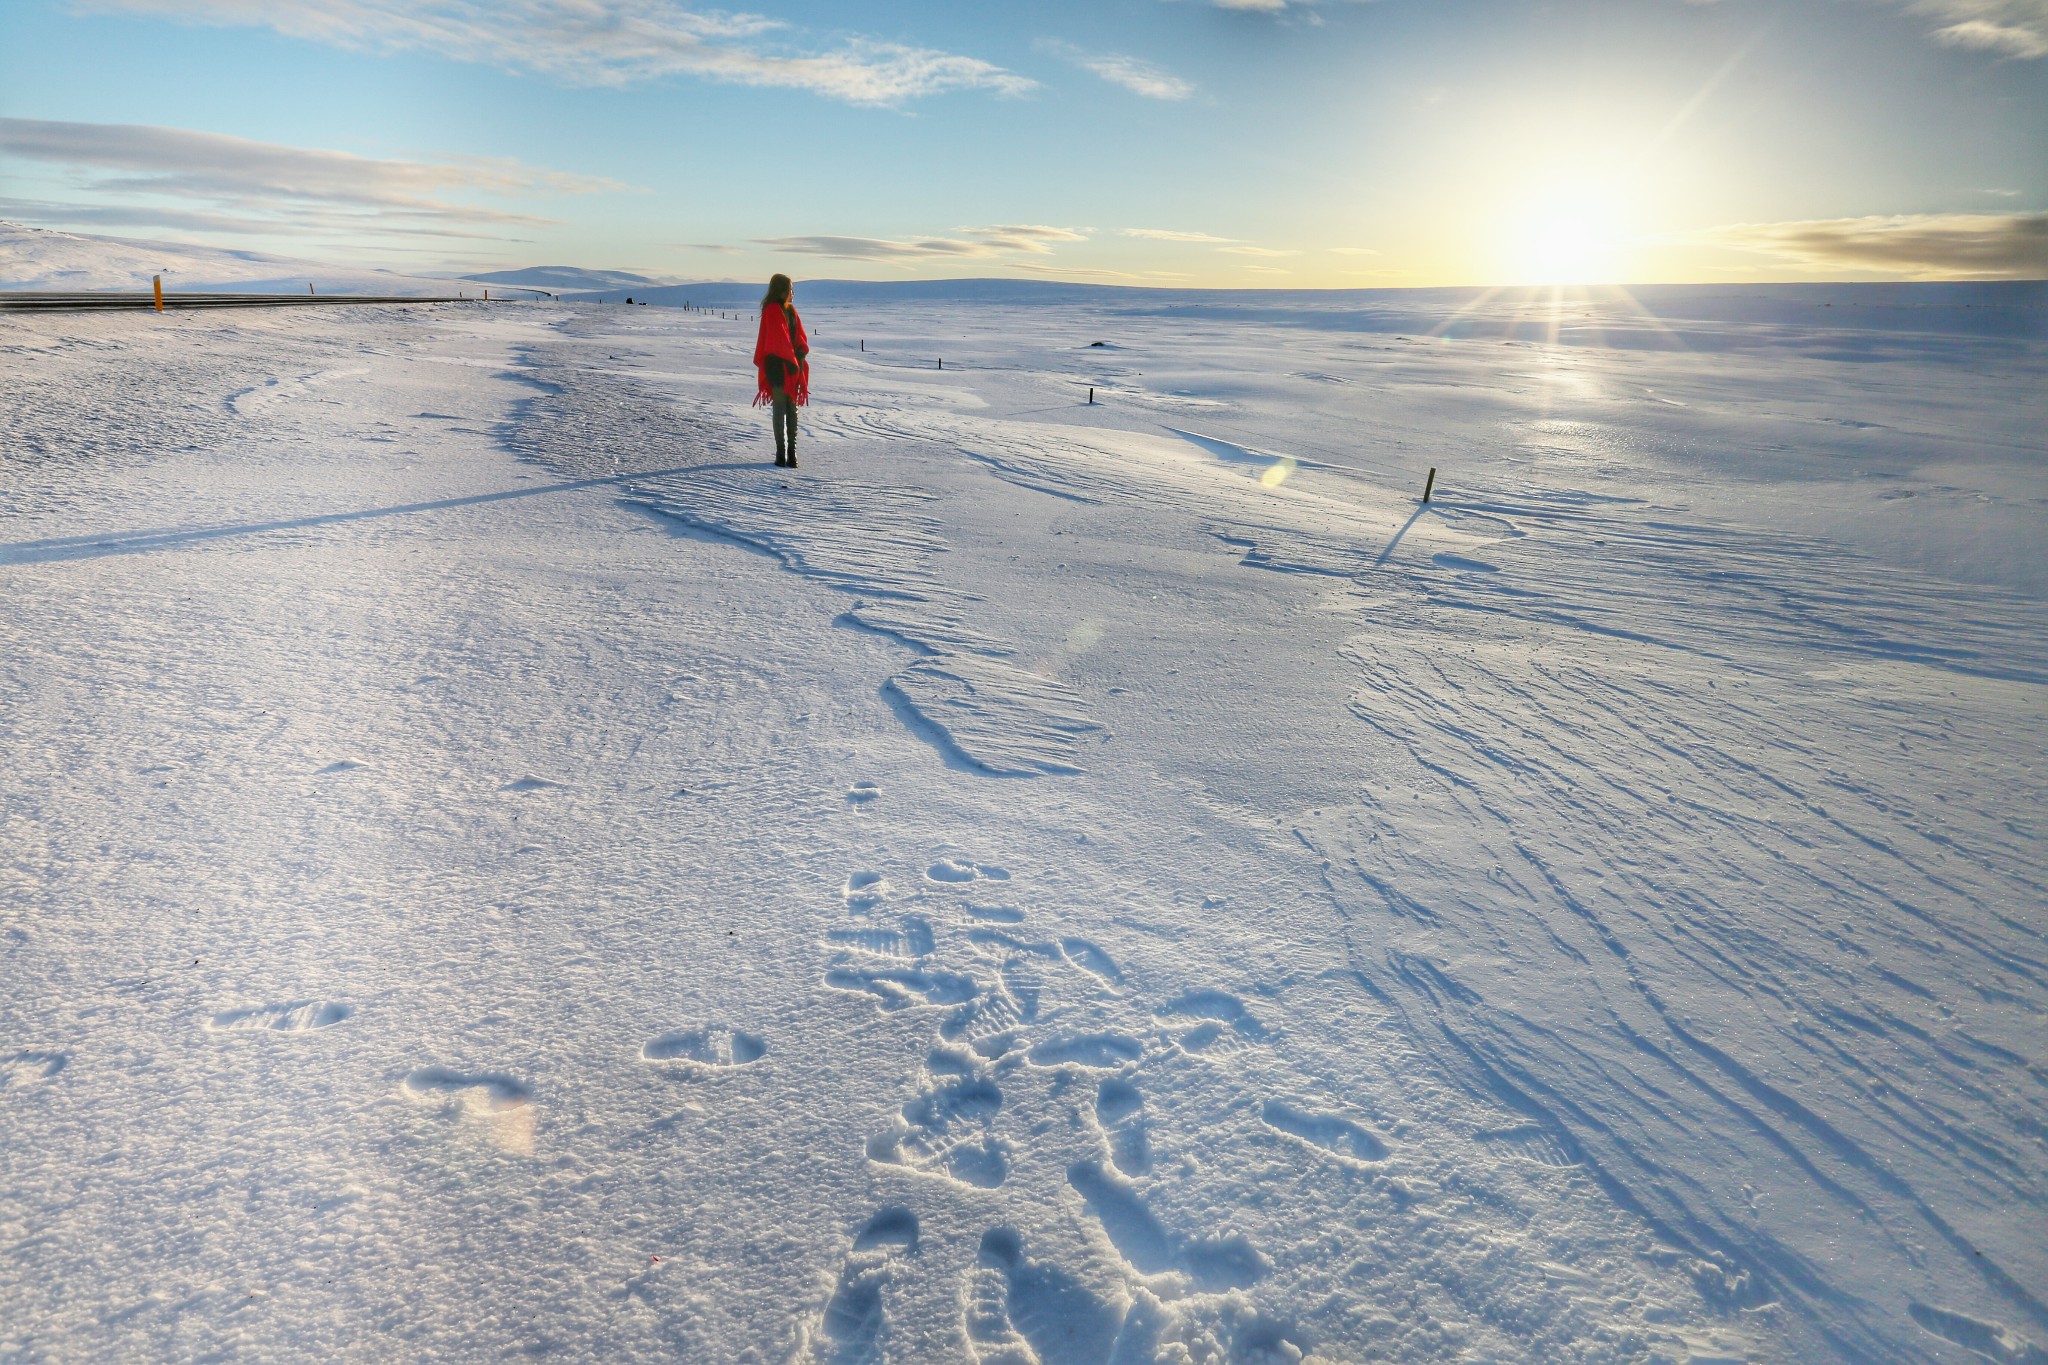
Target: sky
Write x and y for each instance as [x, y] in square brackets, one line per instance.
[1213, 143]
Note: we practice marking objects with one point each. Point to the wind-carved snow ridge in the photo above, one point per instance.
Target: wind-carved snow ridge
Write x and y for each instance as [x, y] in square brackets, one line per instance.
[1622, 569]
[874, 542]
[1802, 942]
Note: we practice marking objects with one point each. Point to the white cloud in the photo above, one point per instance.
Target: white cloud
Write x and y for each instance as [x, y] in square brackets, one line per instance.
[986, 243]
[1170, 235]
[1304, 8]
[1032, 237]
[1353, 251]
[1926, 246]
[2009, 28]
[46, 211]
[601, 42]
[1256, 251]
[1134, 74]
[1139, 77]
[233, 184]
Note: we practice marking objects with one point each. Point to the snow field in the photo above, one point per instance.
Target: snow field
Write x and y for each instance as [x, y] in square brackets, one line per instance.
[1030, 886]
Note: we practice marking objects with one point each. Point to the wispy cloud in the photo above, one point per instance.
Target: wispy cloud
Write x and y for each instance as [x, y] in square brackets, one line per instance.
[1926, 246]
[1353, 251]
[2008, 28]
[1304, 8]
[984, 243]
[1173, 235]
[1256, 251]
[1134, 74]
[232, 184]
[1034, 237]
[162, 217]
[602, 42]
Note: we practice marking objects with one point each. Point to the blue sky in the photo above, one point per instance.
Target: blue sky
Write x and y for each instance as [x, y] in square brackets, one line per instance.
[1325, 143]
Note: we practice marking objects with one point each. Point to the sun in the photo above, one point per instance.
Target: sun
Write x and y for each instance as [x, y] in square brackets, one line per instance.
[1568, 233]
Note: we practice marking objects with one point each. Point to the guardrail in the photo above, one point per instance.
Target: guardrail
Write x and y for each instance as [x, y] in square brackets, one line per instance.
[27, 301]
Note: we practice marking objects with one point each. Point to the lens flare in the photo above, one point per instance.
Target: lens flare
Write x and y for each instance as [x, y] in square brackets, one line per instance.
[1277, 472]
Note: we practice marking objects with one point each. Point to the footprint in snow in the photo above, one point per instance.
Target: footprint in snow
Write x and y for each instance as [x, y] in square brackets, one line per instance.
[24, 1069]
[1021, 1312]
[885, 943]
[498, 1105]
[706, 1049]
[864, 891]
[951, 872]
[914, 941]
[530, 783]
[481, 1093]
[1213, 1025]
[1992, 1340]
[897, 988]
[345, 765]
[1086, 957]
[1120, 1114]
[301, 1016]
[1092, 1051]
[1214, 1263]
[990, 1023]
[945, 1130]
[1339, 1137]
[853, 1326]
[861, 793]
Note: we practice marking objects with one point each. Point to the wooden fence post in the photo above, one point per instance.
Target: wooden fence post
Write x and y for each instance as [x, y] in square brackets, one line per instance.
[1430, 484]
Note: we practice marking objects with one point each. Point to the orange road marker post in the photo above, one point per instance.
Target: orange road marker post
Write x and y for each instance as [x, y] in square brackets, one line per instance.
[156, 282]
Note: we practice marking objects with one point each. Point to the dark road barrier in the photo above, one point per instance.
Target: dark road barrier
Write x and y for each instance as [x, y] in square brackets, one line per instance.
[26, 301]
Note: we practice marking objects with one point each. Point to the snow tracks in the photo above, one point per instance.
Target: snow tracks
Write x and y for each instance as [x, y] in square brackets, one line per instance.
[1682, 871]
[967, 694]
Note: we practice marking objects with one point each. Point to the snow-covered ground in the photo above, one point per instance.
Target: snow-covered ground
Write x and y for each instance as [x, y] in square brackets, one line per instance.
[490, 866]
[33, 258]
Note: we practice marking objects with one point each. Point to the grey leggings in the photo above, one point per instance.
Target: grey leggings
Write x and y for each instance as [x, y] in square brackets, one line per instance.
[783, 410]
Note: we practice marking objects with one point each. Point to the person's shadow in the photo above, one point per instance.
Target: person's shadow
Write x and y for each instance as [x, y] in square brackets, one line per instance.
[141, 542]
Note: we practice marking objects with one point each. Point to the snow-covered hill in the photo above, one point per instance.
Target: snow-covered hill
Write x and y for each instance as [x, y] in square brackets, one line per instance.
[33, 258]
[566, 277]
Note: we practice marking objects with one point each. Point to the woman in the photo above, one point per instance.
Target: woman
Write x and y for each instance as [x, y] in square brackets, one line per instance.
[785, 374]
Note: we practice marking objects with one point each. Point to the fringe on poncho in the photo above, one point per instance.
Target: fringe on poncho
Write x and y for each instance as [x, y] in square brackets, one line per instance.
[782, 336]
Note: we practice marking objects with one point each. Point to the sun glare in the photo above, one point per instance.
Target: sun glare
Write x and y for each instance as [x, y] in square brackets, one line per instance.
[1568, 234]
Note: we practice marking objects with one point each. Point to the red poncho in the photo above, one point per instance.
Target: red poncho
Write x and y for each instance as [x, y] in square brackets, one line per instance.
[776, 339]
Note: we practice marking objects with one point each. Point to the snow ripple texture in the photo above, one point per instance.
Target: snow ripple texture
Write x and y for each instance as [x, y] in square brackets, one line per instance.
[967, 696]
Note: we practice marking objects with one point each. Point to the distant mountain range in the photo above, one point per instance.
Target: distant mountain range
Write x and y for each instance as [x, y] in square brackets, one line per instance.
[560, 277]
